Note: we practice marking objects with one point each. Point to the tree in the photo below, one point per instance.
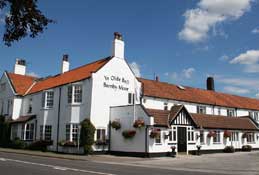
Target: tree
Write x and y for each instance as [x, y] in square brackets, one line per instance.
[87, 135]
[24, 18]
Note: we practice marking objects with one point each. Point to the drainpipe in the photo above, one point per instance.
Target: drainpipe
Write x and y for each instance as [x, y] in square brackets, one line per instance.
[146, 140]
[59, 101]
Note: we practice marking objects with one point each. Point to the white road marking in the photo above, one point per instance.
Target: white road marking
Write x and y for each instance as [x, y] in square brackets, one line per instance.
[55, 167]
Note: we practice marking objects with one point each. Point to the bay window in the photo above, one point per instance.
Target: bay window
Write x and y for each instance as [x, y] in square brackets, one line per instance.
[74, 93]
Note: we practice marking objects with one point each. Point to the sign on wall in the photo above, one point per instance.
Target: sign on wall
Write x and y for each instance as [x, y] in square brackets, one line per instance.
[116, 83]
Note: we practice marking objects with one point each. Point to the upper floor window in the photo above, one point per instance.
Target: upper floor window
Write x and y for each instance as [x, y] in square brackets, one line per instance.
[201, 109]
[30, 106]
[74, 94]
[48, 99]
[230, 112]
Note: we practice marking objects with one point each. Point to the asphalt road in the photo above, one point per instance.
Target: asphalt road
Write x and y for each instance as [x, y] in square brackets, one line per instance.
[17, 164]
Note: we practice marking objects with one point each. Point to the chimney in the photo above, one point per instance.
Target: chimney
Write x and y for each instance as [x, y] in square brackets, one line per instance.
[20, 67]
[118, 46]
[65, 64]
[157, 78]
[210, 84]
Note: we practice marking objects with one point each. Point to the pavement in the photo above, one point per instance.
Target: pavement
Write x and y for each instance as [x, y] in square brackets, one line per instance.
[21, 161]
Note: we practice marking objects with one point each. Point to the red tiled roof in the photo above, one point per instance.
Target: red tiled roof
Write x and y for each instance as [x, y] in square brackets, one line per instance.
[161, 117]
[21, 83]
[223, 122]
[194, 95]
[23, 119]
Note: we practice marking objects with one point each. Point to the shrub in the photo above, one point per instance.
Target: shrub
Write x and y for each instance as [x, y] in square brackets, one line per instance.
[40, 145]
[139, 123]
[87, 135]
[5, 132]
[247, 148]
[229, 149]
[116, 125]
[18, 144]
[227, 134]
[155, 133]
[127, 134]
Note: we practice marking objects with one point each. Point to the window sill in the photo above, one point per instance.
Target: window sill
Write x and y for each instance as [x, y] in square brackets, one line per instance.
[75, 104]
[45, 109]
[216, 143]
[251, 142]
[158, 144]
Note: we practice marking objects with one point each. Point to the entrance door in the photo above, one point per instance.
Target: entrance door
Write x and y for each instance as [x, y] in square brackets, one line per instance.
[181, 141]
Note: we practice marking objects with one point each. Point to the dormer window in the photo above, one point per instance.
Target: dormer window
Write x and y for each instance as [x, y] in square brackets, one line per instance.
[230, 112]
[201, 109]
[74, 94]
[48, 99]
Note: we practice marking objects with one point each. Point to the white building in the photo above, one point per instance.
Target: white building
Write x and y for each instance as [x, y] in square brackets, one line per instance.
[106, 90]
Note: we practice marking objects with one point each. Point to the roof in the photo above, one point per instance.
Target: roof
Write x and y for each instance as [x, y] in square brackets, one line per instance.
[23, 84]
[195, 95]
[23, 119]
[161, 117]
[224, 122]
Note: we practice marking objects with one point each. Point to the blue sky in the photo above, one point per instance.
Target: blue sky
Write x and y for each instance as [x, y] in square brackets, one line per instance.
[180, 41]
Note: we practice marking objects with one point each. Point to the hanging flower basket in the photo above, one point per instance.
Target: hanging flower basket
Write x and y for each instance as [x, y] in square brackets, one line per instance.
[211, 134]
[127, 134]
[245, 134]
[139, 123]
[101, 142]
[155, 133]
[227, 134]
[116, 125]
[67, 143]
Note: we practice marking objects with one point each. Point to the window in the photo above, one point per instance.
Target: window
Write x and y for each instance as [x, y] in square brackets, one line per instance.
[201, 109]
[234, 136]
[190, 134]
[217, 138]
[165, 106]
[48, 131]
[72, 132]
[30, 106]
[250, 138]
[100, 135]
[158, 139]
[27, 131]
[131, 98]
[172, 135]
[14, 131]
[202, 141]
[45, 132]
[230, 112]
[74, 94]
[48, 99]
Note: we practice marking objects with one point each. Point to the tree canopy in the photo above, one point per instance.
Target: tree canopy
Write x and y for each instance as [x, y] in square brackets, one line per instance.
[22, 18]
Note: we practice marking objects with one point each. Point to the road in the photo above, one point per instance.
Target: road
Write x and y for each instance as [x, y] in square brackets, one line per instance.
[18, 164]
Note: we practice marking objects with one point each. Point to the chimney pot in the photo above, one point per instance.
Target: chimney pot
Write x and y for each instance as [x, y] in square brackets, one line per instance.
[210, 84]
[20, 67]
[65, 57]
[118, 36]
[118, 46]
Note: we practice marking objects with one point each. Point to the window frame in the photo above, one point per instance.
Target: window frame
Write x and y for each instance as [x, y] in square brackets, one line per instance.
[250, 137]
[158, 140]
[27, 133]
[47, 99]
[72, 132]
[172, 135]
[190, 134]
[217, 139]
[231, 113]
[201, 109]
[234, 136]
[101, 134]
[75, 94]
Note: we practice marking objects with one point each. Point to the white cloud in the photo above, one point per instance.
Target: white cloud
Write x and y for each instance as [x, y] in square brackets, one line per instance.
[224, 58]
[135, 68]
[199, 21]
[250, 59]
[236, 90]
[33, 74]
[255, 31]
[187, 73]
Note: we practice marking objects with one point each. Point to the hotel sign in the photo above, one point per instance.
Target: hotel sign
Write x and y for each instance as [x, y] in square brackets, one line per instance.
[116, 83]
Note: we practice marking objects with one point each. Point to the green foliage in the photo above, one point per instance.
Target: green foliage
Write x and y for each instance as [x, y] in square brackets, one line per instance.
[229, 149]
[5, 132]
[18, 144]
[40, 145]
[247, 148]
[24, 19]
[87, 135]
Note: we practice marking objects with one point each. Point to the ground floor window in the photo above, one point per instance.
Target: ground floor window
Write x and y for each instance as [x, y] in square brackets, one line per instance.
[45, 132]
[190, 134]
[217, 137]
[72, 132]
[172, 135]
[27, 131]
[158, 139]
[100, 134]
[250, 137]
[234, 136]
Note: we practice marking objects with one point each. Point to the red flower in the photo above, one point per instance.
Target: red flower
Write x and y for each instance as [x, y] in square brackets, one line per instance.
[227, 134]
[139, 123]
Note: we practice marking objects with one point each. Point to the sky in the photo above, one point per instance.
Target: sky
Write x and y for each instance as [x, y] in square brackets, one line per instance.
[182, 41]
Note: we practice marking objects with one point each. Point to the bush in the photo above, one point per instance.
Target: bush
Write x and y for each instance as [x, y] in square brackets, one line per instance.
[229, 149]
[87, 135]
[5, 132]
[247, 148]
[18, 144]
[40, 145]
